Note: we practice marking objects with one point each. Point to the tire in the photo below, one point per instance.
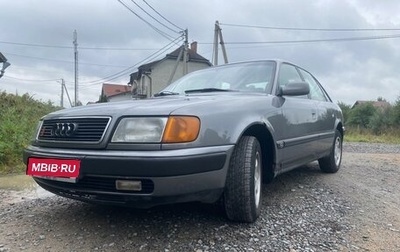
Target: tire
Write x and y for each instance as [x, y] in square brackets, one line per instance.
[331, 163]
[242, 195]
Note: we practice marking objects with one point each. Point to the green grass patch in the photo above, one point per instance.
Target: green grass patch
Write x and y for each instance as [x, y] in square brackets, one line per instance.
[367, 136]
[19, 116]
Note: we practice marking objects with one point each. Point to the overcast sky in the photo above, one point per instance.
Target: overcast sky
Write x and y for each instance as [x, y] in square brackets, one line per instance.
[357, 59]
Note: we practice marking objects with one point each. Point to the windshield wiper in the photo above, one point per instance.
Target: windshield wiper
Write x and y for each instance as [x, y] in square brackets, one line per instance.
[165, 93]
[207, 90]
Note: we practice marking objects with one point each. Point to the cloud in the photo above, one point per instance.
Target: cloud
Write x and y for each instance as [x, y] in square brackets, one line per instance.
[349, 70]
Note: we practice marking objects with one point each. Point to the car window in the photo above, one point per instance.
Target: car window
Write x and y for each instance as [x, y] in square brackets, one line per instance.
[251, 77]
[288, 74]
[316, 92]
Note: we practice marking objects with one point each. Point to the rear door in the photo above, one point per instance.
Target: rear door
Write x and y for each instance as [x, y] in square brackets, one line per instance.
[325, 127]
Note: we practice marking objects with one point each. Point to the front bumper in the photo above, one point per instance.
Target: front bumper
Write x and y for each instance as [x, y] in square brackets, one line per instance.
[169, 176]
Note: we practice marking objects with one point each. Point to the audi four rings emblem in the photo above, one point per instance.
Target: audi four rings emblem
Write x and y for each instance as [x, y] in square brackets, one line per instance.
[64, 129]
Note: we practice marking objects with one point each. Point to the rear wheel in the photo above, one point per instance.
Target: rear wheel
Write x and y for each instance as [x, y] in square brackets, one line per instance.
[242, 195]
[331, 163]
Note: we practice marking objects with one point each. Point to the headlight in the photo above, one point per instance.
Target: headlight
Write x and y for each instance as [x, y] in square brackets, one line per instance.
[140, 130]
[173, 129]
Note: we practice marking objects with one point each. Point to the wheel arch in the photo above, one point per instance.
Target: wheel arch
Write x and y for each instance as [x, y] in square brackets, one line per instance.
[267, 143]
[340, 128]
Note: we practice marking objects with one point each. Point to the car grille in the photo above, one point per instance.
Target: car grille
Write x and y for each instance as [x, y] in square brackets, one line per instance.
[74, 129]
[99, 184]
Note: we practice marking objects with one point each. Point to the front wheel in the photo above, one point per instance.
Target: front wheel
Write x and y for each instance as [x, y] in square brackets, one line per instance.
[242, 195]
[331, 163]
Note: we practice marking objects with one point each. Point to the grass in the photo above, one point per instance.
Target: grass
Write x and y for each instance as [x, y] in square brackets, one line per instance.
[367, 136]
[19, 116]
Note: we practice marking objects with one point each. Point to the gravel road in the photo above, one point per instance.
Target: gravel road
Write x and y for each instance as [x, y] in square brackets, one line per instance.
[357, 209]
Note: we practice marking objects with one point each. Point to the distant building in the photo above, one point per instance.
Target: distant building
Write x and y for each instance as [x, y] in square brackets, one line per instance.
[377, 104]
[115, 92]
[154, 76]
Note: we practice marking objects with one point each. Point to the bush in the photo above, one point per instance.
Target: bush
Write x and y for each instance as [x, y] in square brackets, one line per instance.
[361, 115]
[19, 116]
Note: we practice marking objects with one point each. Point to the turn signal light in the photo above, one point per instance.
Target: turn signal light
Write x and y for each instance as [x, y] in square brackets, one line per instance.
[181, 129]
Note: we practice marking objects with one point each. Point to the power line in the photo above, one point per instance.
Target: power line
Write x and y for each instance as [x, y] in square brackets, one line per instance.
[310, 40]
[181, 29]
[318, 40]
[15, 78]
[36, 70]
[123, 72]
[116, 48]
[35, 45]
[155, 19]
[62, 61]
[312, 29]
[165, 35]
[71, 47]
[113, 76]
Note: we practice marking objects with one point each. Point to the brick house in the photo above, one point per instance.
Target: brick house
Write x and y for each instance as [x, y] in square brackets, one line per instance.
[115, 92]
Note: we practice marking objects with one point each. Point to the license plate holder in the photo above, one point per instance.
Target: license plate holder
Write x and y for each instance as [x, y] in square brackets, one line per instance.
[54, 168]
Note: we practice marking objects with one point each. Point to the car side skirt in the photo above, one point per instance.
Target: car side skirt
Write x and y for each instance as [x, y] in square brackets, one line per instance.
[302, 150]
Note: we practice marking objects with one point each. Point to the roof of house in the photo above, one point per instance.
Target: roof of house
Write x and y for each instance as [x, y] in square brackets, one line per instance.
[193, 56]
[110, 90]
[376, 104]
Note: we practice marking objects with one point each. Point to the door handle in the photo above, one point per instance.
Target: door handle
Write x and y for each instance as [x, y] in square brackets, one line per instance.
[314, 114]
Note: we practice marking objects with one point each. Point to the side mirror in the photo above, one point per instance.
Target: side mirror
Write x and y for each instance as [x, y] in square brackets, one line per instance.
[294, 89]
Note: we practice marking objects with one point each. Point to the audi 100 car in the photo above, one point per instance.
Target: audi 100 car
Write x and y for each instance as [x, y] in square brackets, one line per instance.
[213, 135]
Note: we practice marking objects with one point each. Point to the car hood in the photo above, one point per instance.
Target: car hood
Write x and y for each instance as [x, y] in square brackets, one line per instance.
[160, 105]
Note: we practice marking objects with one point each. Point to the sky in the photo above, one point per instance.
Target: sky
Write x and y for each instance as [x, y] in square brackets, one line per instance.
[351, 46]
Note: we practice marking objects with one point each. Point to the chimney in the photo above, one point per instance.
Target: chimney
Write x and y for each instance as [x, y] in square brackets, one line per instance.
[193, 46]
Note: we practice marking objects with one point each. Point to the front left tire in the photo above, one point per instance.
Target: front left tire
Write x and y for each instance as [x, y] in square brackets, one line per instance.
[242, 195]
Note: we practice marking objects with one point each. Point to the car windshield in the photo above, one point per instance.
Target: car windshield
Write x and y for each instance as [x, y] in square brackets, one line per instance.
[246, 77]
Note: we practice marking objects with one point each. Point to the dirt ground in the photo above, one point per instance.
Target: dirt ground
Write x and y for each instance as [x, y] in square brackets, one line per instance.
[372, 182]
[368, 182]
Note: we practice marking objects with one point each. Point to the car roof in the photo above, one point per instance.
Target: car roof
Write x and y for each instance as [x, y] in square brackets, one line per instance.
[278, 61]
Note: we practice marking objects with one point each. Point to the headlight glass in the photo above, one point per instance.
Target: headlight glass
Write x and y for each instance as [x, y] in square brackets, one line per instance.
[172, 129]
[140, 130]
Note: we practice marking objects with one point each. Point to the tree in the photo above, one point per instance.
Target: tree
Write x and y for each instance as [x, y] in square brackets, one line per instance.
[381, 121]
[361, 115]
[345, 110]
[103, 98]
[396, 113]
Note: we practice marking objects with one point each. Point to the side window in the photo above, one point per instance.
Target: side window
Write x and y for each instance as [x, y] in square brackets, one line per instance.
[288, 74]
[316, 93]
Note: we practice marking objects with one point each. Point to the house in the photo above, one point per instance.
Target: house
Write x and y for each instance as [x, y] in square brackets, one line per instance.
[382, 105]
[115, 92]
[152, 77]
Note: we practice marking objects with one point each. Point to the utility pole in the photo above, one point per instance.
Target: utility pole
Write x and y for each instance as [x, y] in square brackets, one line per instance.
[62, 93]
[76, 98]
[178, 59]
[218, 35]
[215, 47]
[185, 53]
[66, 91]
